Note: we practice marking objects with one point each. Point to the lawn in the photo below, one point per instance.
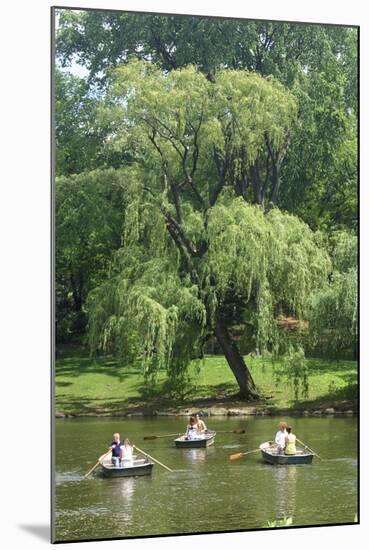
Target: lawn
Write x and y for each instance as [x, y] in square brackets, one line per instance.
[103, 386]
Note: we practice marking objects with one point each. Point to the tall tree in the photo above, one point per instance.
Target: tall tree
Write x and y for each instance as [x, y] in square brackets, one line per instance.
[196, 257]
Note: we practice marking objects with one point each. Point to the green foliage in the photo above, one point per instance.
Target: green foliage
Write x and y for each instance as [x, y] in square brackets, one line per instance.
[147, 301]
[199, 134]
[333, 316]
[82, 128]
[77, 140]
[103, 39]
[144, 304]
[147, 304]
[88, 226]
[285, 522]
[294, 368]
[317, 63]
[273, 254]
[320, 170]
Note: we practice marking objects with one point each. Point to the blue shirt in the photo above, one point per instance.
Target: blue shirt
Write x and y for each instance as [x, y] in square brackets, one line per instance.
[116, 448]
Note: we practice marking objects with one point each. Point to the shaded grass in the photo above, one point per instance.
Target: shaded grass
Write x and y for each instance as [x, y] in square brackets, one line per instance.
[104, 386]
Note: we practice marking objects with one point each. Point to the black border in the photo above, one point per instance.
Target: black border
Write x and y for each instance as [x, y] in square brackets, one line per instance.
[52, 266]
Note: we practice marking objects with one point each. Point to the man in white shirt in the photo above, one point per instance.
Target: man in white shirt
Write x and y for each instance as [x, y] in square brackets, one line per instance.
[280, 437]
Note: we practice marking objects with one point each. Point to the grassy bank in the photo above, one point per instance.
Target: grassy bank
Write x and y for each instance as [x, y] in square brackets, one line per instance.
[84, 386]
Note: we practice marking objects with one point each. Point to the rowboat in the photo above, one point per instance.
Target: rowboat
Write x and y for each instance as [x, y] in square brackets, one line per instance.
[270, 454]
[202, 440]
[139, 466]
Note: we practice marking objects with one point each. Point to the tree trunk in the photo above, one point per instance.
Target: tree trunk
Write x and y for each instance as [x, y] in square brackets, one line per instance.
[276, 183]
[76, 293]
[236, 363]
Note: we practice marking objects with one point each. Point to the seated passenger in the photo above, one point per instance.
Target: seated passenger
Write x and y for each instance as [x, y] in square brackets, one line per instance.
[191, 431]
[126, 453]
[290, 438]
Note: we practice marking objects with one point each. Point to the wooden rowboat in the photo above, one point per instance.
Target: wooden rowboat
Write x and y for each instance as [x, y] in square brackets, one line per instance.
[201, 441]
[270, 454]
[139, 466]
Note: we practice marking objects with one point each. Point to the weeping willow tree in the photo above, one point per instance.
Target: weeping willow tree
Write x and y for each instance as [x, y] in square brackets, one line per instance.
[200, 251]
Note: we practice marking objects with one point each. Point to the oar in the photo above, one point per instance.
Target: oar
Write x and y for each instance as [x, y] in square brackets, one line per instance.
[239, 455]
[152, 458]
[97, 463]
[311, 450]
[159, 436]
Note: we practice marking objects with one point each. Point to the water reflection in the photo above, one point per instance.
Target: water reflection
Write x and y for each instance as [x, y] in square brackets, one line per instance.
[195, 455]
[124, 489]
[285, 490]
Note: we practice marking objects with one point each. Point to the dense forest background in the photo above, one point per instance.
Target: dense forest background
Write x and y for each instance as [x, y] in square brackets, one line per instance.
[187, 137]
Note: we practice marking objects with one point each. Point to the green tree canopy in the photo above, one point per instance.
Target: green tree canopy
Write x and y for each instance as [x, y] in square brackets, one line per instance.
[77, 141]
[318, 63]
[233, 131]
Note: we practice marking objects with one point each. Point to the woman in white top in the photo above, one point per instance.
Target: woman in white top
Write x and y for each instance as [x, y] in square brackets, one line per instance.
[191, 431]
[126, 453]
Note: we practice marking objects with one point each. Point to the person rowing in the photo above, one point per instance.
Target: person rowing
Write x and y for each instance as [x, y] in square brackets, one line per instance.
[280, 438]
[115, 448]
[200, 425]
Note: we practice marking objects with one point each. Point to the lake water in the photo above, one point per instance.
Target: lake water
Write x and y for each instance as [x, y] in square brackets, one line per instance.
[206, 492]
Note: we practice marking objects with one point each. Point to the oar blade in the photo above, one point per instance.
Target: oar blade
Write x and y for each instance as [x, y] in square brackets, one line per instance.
[235, 456]
[239, 431]
[149, 437]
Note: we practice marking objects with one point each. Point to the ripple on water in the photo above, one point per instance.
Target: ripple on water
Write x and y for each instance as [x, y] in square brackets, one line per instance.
[68, 477]
[84, 511]
[346, 460]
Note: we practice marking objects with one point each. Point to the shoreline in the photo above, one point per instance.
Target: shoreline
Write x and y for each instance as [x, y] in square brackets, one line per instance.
[104, 388]
[344, 408]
